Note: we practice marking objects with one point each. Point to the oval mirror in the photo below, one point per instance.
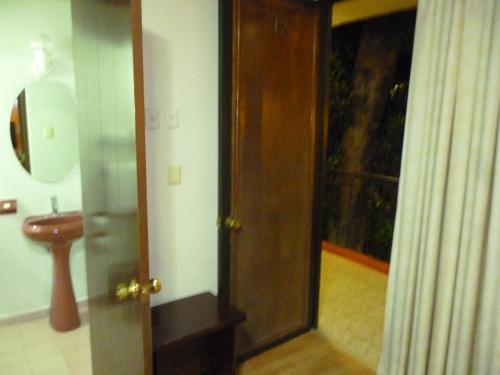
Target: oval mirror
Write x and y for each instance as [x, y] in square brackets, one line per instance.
[44, 132]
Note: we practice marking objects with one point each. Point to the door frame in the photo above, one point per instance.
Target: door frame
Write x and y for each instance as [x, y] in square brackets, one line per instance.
[225, 148]
[142, 199]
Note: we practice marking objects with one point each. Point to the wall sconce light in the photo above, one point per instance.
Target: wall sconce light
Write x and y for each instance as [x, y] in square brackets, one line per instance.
[42, 58]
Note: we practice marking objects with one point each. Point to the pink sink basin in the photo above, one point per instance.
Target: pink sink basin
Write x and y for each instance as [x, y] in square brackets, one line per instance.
[54, 229]
[58, 232]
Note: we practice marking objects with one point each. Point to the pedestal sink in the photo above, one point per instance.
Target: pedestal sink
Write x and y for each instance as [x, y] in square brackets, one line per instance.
[58, 232]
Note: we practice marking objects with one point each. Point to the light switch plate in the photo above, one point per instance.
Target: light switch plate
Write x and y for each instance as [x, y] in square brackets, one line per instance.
[174, 174]
[152, 119]
[172, 118]
[48, 132]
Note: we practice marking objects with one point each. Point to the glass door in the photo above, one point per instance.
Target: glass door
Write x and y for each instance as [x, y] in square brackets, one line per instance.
[107, 46]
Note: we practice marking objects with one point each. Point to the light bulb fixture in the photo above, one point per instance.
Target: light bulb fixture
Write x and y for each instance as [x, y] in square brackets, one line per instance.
[42, 58]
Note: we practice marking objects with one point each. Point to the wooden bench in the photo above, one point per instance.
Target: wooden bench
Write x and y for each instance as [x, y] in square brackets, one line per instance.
[194, 335]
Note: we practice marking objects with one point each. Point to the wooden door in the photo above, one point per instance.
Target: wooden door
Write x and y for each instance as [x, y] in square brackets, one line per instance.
[108, 71]
[274, 150]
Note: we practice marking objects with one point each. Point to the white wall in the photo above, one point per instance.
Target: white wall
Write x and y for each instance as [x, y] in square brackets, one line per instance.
[26, 268]
[181, 70]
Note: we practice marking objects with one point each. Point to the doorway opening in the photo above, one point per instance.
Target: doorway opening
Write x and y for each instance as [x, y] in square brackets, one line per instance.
[272, 143]
[369, 80]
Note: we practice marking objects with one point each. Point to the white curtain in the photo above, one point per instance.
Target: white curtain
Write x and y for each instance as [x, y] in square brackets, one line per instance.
[442, 309]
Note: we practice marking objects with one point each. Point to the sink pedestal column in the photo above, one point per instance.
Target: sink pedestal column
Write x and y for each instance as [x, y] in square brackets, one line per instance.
[63, 310]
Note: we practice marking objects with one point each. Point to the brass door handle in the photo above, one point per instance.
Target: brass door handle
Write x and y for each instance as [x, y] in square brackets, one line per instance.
[124, 291]
[134, 289]
[154, 286]
[232, 223]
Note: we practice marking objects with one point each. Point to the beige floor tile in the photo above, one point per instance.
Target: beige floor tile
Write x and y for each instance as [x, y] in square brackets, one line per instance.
[54, 365]
[36, 331]
[10, 338]
[36, 348]
[19, 369]
[78, 358]
[12, 357]
[81, 367]
[41, 350]
[73, 339]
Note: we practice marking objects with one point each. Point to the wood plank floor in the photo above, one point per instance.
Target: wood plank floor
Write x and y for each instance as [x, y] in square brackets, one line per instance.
[309, 354]
[349, 339]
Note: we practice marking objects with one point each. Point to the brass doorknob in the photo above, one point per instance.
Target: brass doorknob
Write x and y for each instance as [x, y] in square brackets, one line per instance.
[134, 289]
[232, 223]
[153, 287]
[124, 291]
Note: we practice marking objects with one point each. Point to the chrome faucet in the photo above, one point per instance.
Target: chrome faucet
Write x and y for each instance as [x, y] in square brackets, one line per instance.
[55, 205]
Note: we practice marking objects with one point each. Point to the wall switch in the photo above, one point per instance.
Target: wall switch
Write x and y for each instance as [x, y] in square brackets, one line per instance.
[48, 132]
[152, 119]
[172, 118]
[174, 174]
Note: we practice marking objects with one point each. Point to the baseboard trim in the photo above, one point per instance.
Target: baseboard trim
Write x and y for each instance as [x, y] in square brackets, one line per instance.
[83, 309]
[357, 257]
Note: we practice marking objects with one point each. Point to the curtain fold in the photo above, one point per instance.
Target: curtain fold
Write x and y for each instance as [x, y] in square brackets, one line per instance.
[442, 308]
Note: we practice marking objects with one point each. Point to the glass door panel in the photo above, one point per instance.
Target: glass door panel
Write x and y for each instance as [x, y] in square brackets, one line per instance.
[104, 61]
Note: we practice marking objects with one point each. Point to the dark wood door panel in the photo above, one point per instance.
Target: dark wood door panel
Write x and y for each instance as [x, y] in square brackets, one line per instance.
[274, 146]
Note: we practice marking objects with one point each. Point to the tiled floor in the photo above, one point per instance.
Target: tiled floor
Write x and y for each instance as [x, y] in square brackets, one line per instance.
[34, 348]
[352, 306]
[348, 341]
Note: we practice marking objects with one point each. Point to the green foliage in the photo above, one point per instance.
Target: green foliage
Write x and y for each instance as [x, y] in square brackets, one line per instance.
[379, 198]
[388, 137]
[343, 57]
[342, 110]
